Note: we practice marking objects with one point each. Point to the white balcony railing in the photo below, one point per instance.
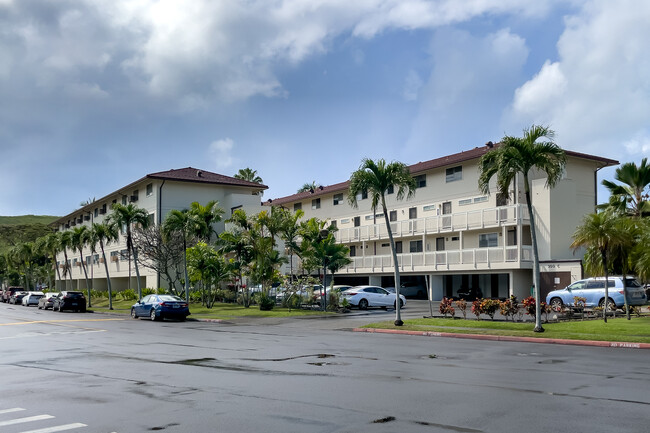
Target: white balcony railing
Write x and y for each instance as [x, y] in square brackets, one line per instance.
[484, 218]
[442, 260]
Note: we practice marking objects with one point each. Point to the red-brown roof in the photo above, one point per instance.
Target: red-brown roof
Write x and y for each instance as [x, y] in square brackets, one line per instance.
[419, 167]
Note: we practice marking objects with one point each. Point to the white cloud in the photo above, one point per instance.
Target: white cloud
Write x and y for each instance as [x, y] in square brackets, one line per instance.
[597, 94]
[221, 153]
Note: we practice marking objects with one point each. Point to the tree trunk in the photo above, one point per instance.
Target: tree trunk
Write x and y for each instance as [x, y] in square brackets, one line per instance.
[83, 266]
[67, 269]
[603, 253]
[58, 273]
[398, 316]
[536, 275]
[187, 282]
[137, 272]
[108, 279]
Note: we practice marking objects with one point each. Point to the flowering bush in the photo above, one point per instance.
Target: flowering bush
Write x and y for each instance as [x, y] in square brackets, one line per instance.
[546, 310]
[446, 307]
[476, 309]
[462, 306]
[529, 305]
[509, 307]
[579, 302]
[489, 307]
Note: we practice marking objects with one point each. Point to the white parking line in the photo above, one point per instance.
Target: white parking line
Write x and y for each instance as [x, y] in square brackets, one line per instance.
[13, 409]
[57, 428]
[22, 420]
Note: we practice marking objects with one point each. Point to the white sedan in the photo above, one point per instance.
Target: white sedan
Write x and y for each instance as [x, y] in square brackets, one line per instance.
[371, 296]
[32, 298]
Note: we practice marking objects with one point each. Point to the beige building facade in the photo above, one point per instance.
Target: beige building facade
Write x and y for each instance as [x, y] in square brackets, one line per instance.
[450, 235]
[157, 193]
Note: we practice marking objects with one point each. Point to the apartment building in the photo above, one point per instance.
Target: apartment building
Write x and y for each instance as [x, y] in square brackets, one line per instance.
[157, 193]
[450, 235]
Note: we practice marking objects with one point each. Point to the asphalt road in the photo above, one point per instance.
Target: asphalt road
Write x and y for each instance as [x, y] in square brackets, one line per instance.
[99, 373]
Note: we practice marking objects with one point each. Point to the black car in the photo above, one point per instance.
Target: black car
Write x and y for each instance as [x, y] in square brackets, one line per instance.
[470, 294]
[69, 301]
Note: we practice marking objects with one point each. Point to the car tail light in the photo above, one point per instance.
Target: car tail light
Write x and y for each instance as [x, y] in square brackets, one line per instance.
[622, 292]
[183, 304]
[350, 294]
[163, 304]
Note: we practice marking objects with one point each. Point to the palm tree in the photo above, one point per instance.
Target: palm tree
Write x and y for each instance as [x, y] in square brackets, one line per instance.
[597, 232]
[51, 245]
[313, 186]
[65, 242]
[290, 232]
[184, 223]
[249, 175]
[78, 240]
[203, 218]
[125, 216]
[520, 155]
[376, 178]
[632, 197]
[103, 234]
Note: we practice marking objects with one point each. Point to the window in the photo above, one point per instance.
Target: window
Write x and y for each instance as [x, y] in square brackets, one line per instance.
[362, 195]
[95, 259]
[429, 208]
[413, 213]
[124, 255]
[151, 220]
[386, 245]
[297, 206]
[88, 260]
[134, 196]
[353, 250]
[124, 200]
[480, 199]
[357, 221]
[440, 244]
[487, 240]
[415, 246]
[454, 173]
[315, 203]
[464, 202]
[333, 223]
[420, 181]
[149, 189]
[398, 247]
[96, 213]
[392, 215]
[338, 198]
[446, 208]
[390, 189]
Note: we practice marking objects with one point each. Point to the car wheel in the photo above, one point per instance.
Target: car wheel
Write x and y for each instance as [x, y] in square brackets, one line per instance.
[363, 304]
[611, 306]
[60, 309]
[133, 314]
[152, 315]
[557, 304]
[401, 304]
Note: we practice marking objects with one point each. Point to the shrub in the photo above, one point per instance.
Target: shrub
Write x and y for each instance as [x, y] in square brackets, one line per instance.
[266, 302]
[529, 305]
[161, 291]
[462, 306]
[127, 295]
[332, 301]
[98, 294]
[147, 291]
[489, 307]
[476, 308]
[446, 307]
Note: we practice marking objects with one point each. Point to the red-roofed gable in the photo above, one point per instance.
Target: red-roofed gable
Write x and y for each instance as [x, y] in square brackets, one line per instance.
[190, 174]
[456, 158]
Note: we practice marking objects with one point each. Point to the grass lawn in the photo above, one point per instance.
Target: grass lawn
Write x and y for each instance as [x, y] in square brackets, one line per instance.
[636, 330]
[218, 311]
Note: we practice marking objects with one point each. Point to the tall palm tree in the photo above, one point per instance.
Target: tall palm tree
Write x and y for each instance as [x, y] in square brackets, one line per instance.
[126, 216]
[65, 242]
[204, 217]
[249, 175]
[289, 232]
[184, 223]
[104, 234]
[376, 178]
[519, 155]
[632, 196]
[51, 245]
[79, 239]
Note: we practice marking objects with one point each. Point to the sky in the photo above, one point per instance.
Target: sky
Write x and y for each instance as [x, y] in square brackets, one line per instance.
[95, 94]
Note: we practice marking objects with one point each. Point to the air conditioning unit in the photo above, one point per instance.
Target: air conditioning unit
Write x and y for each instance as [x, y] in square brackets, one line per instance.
[101, 260]
[114, 258]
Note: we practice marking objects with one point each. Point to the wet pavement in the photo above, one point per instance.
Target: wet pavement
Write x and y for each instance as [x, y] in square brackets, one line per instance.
[304, 375]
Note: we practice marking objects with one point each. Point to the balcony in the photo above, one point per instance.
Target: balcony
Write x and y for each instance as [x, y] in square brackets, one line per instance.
[466, 259]
[461, 221]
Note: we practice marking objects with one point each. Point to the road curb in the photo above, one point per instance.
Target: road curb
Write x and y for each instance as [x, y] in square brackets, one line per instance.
[615, 344]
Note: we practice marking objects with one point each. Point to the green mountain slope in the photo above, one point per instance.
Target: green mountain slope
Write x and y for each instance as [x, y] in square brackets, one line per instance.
[25, 228]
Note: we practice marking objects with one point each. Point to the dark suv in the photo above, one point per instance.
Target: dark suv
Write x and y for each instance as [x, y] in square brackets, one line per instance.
[69, 301]
[9, 291]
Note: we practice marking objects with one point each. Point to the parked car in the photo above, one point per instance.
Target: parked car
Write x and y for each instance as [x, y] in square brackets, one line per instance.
[593, 290]
[32, 298]
[318, 291]
[470, 293]
[6, 293]
[46, 301]
[160, 307]
[17, 297]
[371, 296]
[69, 300]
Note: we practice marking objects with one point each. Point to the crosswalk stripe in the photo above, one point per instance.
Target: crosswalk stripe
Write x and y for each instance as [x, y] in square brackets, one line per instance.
[13, 409]
[27, 419]
[57, 428]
